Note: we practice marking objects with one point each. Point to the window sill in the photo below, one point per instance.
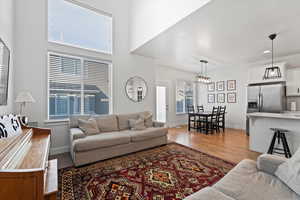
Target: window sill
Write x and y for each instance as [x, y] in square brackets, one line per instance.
[181, 113]
[54, 44]
[56, 121]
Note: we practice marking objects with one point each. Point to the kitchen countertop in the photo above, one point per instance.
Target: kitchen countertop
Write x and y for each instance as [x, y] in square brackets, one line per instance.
[285, 115]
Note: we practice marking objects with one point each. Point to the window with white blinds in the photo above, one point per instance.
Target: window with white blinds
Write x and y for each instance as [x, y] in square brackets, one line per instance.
[77, 86]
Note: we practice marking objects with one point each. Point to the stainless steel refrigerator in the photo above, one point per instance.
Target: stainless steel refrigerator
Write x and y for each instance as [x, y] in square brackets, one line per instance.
[269, 98]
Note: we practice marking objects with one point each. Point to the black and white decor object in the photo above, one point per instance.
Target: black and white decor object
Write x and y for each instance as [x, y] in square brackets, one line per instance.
[231, 97]
[220, 86]
[4, 72]
[231, 85]
[221, 98]
[9, 126]
[211, 87]
[211, 98]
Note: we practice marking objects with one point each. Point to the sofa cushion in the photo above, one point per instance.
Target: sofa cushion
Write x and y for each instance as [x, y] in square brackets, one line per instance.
[76, 133]
[207, 194]
[147, 116]
[123, 120]
[148, 134]
[245, 182]
[137, 124]
[89, 127]
[101, 141]
[289, 172]
[269, 163]
[107, 123]
[74, 120]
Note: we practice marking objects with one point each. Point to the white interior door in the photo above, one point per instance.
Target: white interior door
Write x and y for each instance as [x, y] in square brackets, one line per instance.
[162, 103]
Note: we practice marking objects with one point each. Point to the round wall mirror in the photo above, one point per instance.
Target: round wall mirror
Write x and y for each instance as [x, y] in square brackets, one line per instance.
[136, 89]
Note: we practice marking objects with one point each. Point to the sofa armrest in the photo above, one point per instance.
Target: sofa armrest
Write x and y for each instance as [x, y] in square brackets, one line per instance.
[269, 163]
[158, 124]
[76, 133]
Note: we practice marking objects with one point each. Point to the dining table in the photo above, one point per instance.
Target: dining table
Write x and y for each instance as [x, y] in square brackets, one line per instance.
[205, 117]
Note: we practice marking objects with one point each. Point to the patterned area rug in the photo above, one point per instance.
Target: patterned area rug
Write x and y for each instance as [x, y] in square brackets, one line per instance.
[164, 173]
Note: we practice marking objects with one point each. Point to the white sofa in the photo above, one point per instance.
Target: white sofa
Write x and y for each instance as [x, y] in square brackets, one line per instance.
[250, 180]
[115, 138]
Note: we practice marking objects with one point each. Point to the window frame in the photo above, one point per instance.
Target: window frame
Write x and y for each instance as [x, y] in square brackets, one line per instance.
[85, 6]
[82, 58]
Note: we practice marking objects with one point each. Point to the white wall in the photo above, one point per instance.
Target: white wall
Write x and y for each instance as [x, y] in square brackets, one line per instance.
[236, 113]
[169, 76]
[31, 62]
[150, 18]
[7, 35]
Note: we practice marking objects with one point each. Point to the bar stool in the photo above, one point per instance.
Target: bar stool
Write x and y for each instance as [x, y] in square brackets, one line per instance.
[279, 135]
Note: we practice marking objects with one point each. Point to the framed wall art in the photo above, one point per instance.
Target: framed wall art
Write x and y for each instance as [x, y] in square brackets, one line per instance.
[221, 98]
[220, 86]
[211, 98]
[231, 97]
[211, 87]
[231, 85]
[4, 72]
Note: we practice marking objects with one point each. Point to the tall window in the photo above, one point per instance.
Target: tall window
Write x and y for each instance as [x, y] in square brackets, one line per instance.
[184, 96]
[77, 86]
[77, 26]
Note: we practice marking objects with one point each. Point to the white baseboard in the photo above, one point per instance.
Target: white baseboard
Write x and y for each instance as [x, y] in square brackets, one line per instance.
[176, 124]
[59, 150]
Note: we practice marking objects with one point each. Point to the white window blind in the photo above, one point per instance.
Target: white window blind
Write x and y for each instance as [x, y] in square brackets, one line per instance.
[77, 86]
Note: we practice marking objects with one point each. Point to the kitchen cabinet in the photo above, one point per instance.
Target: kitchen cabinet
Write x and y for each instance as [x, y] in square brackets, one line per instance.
[293, 82]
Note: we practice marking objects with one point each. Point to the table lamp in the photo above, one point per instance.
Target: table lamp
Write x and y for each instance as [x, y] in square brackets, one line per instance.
[23, 98]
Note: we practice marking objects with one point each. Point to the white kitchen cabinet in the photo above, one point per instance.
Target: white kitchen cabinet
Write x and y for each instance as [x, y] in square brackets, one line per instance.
[256, 74]
[293, 82]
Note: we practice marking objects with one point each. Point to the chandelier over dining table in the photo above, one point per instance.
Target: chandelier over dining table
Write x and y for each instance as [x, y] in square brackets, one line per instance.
[203, 77]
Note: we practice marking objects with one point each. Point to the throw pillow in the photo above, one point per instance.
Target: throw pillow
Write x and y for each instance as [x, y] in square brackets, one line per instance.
[15, 124]
[137, 124]
[89, 127]
[7, 128]
[289, 172]
[147, 117]
[107, 123]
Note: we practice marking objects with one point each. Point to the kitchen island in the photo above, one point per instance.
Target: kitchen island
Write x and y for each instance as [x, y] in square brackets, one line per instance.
[261, 135]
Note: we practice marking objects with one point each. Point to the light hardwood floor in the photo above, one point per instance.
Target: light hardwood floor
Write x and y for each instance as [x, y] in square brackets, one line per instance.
[232, 145]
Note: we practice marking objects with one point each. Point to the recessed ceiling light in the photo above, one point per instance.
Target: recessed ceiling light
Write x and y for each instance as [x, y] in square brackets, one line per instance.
[267, 51]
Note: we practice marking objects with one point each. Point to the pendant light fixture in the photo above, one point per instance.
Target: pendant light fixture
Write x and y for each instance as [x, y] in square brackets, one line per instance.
[202, 77]
[274, 71]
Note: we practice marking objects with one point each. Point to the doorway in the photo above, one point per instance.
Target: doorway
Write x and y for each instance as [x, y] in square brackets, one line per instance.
[162, 103]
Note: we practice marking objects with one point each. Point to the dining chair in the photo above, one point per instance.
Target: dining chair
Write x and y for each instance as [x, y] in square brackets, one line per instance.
[213, 120]
[193, 119]
[200, 109]
[221, 118]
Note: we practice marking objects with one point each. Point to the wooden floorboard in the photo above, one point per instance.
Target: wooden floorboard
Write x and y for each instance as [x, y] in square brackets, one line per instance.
[232, 145]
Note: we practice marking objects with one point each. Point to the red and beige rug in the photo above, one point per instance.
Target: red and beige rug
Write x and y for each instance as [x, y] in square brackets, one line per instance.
[164, 173]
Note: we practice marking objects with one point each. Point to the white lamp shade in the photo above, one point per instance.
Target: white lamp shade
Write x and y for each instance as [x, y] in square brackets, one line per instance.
[24, 97]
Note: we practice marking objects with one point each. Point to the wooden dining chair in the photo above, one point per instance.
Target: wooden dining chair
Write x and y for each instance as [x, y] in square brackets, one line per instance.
[213, 120]
[221, 118]
[193, 119]
[200, 109]
[201, 120]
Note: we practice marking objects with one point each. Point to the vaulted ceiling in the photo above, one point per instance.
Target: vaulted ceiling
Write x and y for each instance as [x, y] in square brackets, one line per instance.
[229, 32]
